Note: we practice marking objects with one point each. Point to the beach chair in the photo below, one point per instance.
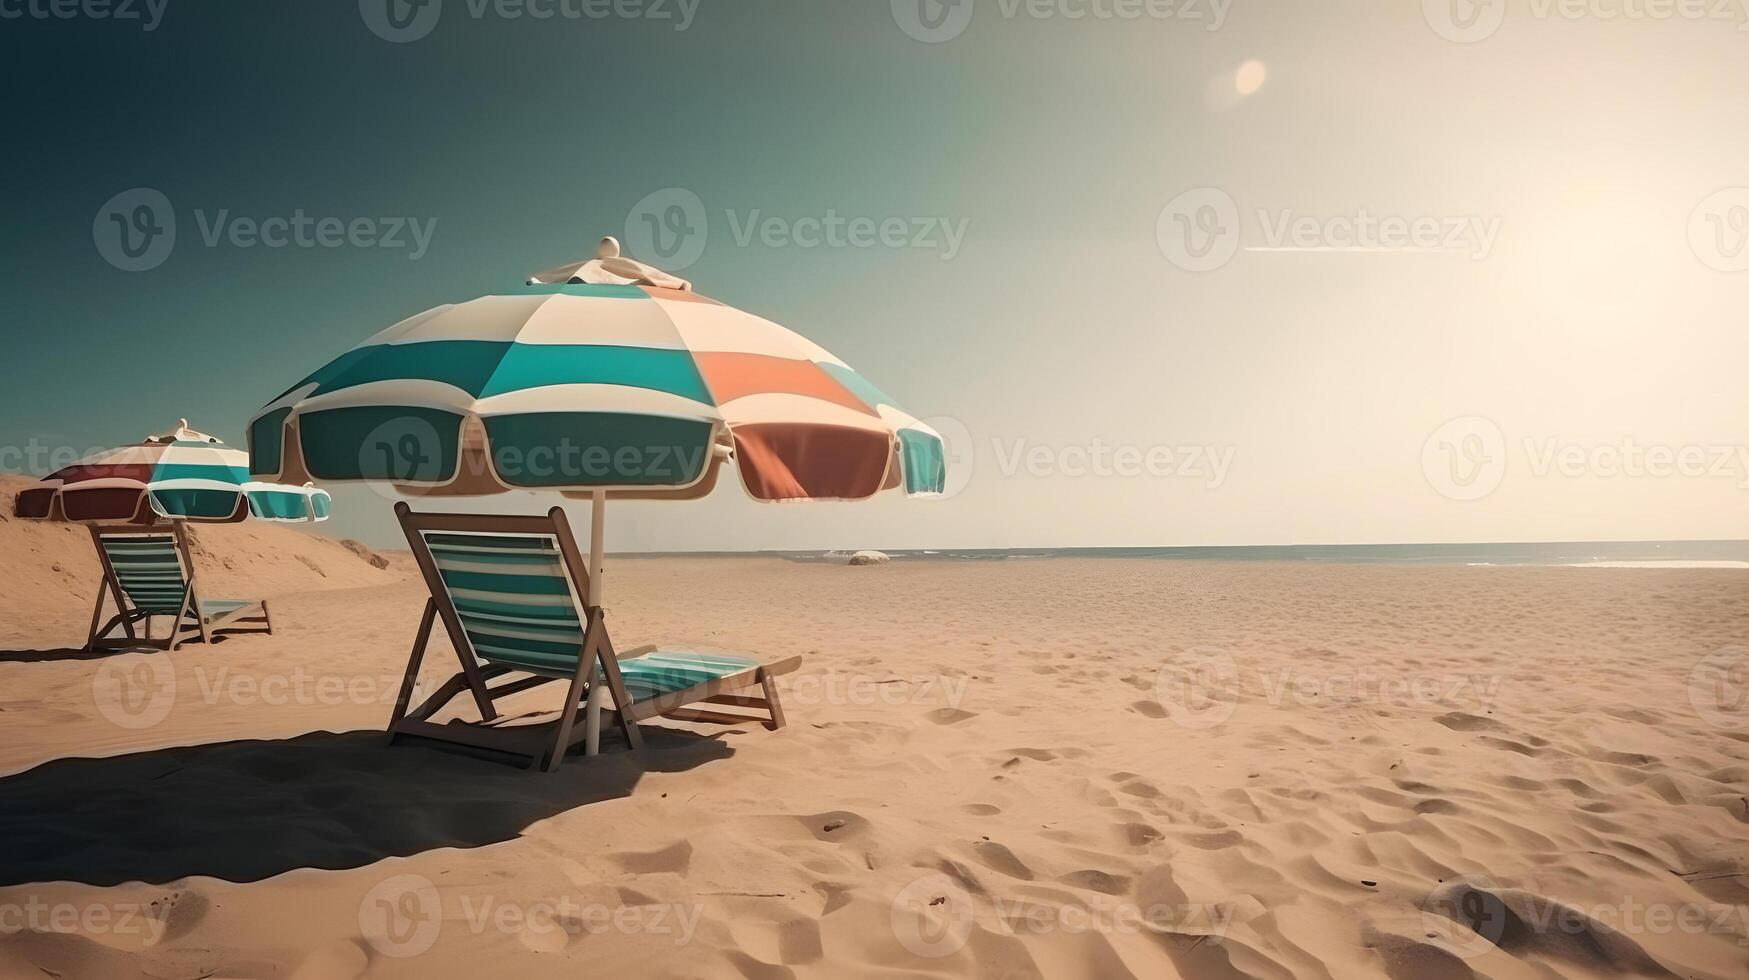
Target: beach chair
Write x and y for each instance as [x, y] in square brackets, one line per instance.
[509, 591]
[148, 573]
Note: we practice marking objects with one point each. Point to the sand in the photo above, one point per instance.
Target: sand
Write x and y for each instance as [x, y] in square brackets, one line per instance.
[1062, 768]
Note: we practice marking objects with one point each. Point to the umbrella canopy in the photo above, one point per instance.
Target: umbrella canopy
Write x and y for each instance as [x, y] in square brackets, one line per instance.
[180, 475]
[599, 377]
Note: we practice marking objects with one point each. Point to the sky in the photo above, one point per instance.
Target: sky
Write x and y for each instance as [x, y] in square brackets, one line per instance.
[1164, 272]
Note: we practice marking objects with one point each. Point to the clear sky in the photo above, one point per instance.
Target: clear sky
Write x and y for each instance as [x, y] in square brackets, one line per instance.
[1166, 273]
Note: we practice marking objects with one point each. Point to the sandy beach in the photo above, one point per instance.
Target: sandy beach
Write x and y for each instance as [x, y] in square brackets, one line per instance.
[1006, 768]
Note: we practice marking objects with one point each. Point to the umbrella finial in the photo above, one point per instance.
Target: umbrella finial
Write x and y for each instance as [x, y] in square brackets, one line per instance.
[610, 267]
[182, 433]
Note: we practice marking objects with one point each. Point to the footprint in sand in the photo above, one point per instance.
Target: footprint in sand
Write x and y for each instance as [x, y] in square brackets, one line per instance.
[675, 858]
[786, 941]
[1408, 959]
[1503, 918]
[1510, 746]
[1140, 834]
[981, 809]
[949, 716]
[999, 858]
[836, 826]
[1039, 755]
[1098, 881]
[1463, 721]
[338, 960]
[1215, 841]
[1149, 709]
[544, 932]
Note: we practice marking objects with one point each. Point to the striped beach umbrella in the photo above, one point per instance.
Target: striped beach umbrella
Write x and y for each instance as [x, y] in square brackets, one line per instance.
[181, 475]
[603, 378]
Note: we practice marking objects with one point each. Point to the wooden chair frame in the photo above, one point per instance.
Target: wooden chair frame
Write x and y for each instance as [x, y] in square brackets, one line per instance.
[545, 745]
[186, 622]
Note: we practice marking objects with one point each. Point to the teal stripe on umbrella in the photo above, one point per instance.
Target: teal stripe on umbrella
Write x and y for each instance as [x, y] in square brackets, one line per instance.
[484, 368]
[924, 461]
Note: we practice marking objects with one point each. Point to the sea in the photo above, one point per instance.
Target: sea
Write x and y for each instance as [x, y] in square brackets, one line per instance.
[1608, 554]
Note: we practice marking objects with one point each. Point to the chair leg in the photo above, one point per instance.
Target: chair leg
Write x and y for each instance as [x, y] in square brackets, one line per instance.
[772, 704]
[96, 619]
[206, 635]
[405, 697]
[127, 622]
[611, 679]
[266, 618]
[573, 692]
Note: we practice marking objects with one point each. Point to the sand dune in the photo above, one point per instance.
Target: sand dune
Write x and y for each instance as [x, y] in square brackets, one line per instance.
[52, 570]
[1048, 768]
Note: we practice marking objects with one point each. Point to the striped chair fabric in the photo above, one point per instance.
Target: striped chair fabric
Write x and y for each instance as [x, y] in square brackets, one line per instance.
[663, 671]
[513, 598]
[517, 607]
[149, 568]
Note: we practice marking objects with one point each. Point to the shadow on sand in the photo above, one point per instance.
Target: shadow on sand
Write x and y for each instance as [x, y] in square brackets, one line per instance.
[247, 810]
[51, 656]
[101, 653]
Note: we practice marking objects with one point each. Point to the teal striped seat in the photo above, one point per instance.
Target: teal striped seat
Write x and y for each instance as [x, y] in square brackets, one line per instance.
[149, 569]
[518, 609]
[513, 598]
[666, 671]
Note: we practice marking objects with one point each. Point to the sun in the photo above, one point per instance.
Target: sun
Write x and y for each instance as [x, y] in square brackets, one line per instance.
[1250, 77]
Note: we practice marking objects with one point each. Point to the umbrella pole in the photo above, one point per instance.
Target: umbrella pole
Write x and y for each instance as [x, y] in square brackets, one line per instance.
[597, 523]
[597, 690]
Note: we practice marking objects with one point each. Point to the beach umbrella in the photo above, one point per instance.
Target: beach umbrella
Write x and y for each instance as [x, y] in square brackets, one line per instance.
[600, 379]
[180, 475]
